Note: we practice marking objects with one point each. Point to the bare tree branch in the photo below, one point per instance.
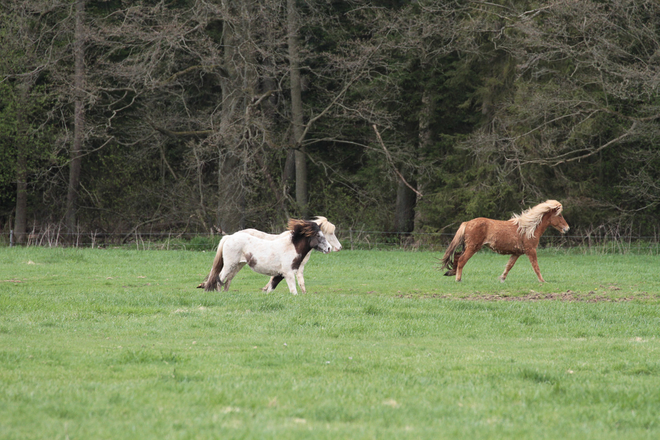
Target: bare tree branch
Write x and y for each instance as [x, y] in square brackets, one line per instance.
[391, 162]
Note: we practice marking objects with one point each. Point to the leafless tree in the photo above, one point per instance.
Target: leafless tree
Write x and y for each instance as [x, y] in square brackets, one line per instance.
[78, 117]
[29, 39]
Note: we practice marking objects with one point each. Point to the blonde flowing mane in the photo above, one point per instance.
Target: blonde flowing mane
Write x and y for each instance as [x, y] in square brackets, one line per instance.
[326, 227]
[531, 218]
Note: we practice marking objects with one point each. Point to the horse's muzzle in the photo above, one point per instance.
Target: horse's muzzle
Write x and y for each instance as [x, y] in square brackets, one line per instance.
[565, 230]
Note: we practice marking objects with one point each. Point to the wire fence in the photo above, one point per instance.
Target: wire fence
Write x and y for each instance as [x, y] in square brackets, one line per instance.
[353, 239]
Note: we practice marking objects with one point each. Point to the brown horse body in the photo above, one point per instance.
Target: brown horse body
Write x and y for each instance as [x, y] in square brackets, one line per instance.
[517, 236]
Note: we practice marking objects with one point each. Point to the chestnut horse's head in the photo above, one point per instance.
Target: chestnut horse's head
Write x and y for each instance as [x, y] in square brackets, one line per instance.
[532, 218]
[558, 221]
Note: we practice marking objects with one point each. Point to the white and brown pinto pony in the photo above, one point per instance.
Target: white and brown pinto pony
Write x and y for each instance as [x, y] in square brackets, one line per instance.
[279, 258]
[328, 230]
[517, 236]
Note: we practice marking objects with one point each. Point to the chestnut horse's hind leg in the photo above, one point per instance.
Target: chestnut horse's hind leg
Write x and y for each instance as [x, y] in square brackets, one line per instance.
[467, 254]
[508, 267]
[535, 264]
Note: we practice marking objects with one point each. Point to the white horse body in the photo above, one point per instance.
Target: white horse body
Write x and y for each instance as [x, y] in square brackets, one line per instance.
[328, 230]
[243, 248]
[280, 257]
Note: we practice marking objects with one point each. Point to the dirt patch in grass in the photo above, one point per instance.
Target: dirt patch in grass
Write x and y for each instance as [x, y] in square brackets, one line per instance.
[568, 296]
[607, 295]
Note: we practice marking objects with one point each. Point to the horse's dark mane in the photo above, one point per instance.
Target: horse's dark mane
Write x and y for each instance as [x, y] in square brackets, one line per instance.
[303, 232]
[302, 229]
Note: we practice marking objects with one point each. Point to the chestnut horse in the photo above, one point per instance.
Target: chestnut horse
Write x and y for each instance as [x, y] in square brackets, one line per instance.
[517, 236]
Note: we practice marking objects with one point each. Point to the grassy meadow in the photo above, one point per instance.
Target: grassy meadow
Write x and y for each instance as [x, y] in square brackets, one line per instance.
[105, 344]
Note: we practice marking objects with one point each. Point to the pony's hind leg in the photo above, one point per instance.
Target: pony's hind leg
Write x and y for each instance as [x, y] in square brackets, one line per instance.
[508, 267]
[272, 284]
[227, 274]
[467, 254]
[452, 267]
[269, 287]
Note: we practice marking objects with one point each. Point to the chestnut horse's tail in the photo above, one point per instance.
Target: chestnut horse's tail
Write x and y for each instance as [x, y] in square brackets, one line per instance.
[213, 279]
[451, 255]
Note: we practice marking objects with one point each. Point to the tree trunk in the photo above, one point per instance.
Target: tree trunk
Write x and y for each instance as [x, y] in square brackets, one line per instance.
[405, 208]
[20, 223]
[78, 121]
[231, 202]
[296, 108]
[425, 144]
[290, 169]
[230, 207]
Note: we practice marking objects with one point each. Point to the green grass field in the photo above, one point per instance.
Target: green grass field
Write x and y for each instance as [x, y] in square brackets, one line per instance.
[105, 344]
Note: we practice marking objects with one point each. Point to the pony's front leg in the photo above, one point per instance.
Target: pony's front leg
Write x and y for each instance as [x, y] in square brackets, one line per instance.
[301, 280]
[508, 267]
[299, 274]
[535, 264]
[291, 282]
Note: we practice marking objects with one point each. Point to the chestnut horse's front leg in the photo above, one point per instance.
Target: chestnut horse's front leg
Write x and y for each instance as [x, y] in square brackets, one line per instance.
[508, 267]
[535, 264]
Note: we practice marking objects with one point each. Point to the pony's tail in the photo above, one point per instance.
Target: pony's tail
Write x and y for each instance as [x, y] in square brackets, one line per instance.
[213, 279]
[450, 257]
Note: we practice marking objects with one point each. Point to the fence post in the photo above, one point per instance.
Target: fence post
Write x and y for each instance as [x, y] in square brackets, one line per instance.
[11, 238]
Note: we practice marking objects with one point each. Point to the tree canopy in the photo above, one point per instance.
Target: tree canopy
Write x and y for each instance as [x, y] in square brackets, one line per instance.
[398, 116]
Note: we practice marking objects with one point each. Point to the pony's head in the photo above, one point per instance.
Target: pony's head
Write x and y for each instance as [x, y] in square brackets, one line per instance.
[309, 232]
[531, 218]
[558, 221]
[328, 230]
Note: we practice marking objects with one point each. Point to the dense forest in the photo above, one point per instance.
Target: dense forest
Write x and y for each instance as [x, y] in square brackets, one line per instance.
[404, 116]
